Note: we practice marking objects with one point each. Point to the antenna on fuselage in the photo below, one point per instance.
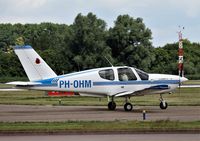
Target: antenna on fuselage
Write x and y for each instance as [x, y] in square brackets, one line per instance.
[108, 61]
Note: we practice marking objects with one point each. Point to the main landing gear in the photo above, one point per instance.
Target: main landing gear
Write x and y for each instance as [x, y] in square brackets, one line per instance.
[111, 104]
[163, 103]
[127, 106]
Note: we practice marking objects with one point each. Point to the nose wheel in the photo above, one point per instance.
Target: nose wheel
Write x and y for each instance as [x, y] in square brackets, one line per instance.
[128, 106]
[163, 103]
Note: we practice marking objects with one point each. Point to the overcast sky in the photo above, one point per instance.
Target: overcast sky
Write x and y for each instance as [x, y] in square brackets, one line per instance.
[163, 17]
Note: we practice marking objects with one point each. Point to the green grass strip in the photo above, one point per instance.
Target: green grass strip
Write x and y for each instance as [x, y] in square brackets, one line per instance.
[96, 126]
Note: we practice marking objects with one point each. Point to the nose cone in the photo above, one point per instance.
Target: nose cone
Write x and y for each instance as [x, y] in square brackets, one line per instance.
[183, 79]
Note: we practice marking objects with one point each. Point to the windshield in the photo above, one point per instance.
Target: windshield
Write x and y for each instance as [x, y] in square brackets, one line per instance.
[126, 74]
[143, 75]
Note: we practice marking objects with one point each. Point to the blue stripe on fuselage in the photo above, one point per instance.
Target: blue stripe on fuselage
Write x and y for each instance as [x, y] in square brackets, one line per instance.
[143, 82]
[48, 82]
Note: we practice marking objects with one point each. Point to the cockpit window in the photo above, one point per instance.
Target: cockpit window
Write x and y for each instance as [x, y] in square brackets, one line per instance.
[143, 75]
[107, 74]
[126, 74]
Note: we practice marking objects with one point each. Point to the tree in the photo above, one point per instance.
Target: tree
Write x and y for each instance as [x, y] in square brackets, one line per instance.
[88, 44]
[167, 58]
[85, 43]
[129, 40]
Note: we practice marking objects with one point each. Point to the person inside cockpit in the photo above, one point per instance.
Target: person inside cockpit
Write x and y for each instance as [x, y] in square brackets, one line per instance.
[124, 77]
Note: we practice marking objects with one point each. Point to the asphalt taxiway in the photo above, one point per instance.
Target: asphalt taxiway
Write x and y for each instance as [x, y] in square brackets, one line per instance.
[115, 137]
[12, 113]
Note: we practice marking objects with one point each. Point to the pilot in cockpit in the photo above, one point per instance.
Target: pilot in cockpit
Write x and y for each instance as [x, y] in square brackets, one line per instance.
[124, 77]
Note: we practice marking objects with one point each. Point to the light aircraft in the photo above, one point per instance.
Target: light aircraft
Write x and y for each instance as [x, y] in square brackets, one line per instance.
[111, 82]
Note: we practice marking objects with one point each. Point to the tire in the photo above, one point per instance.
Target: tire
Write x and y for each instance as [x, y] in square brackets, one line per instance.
[163, 106]
[112, 106]
[128, 107]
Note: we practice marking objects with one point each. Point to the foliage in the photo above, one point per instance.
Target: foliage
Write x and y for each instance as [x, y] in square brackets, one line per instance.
[129, 40]
[167, 58]
[86, 43]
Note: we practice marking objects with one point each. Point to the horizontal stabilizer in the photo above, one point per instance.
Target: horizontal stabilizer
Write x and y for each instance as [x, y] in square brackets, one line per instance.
[11, 90]
[20, 83]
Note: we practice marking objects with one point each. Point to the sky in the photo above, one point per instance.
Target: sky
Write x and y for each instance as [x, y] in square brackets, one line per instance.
[163, 17]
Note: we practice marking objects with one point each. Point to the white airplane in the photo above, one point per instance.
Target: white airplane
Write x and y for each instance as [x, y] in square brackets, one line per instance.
[111, 82]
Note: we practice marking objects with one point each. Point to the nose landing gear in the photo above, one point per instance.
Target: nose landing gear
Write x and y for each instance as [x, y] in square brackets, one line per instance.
[111, 104]
[128, 106]
[163, 103]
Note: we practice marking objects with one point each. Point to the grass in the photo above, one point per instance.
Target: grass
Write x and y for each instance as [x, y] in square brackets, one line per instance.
[96, 126]
[187, 96]
[192, 82]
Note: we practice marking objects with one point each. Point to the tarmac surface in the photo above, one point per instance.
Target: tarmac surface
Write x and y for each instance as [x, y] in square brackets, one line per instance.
[115, 137]
[12, 113]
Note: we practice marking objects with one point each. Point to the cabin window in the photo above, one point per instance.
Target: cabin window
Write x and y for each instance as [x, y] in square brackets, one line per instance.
[143, 75]
[126, 74]
[107, 74]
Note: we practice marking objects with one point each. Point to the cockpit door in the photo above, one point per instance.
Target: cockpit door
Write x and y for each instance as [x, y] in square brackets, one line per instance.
[125, 75]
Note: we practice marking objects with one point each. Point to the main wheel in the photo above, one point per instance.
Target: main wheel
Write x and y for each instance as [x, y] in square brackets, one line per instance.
[163, 105]
[112, 105]
[128, 107]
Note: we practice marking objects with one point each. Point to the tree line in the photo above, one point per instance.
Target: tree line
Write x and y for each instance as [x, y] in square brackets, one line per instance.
[87, 42]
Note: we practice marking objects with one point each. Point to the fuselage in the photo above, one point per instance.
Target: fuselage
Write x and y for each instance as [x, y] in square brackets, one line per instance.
[110, 81]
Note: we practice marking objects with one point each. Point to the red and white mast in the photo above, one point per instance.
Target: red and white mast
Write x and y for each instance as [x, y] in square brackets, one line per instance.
[180, 55]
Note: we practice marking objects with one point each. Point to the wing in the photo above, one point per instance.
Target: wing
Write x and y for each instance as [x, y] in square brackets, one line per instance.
[143, 91]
